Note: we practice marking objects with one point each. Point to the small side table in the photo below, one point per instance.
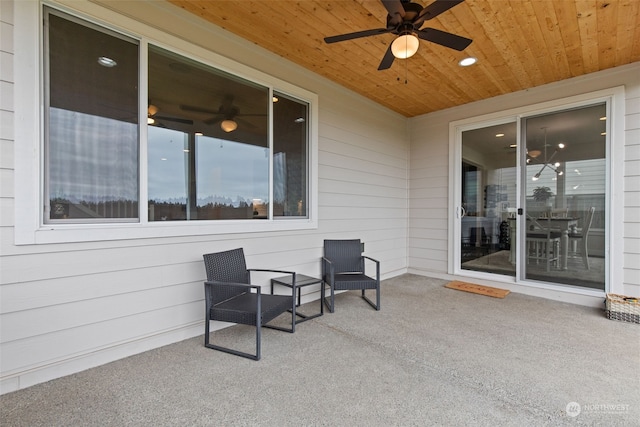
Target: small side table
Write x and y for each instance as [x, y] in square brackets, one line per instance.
[300, 281]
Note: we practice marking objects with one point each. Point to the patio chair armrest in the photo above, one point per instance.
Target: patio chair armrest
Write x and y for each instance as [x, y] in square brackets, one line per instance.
[210, 285]
[233, 284]
[331, 269]
[268, 270]
[372, 259]
[272, 271]
[377, 264]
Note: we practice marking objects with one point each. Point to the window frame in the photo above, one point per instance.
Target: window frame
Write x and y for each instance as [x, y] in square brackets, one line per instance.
[30, 227]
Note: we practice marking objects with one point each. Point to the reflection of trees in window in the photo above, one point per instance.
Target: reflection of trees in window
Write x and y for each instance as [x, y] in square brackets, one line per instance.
[290, 135]
[211, 171]
[175, 211]
[92, 131]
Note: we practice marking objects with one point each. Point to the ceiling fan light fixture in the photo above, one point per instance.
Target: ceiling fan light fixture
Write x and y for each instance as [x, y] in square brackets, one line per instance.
[228, 125]
[405, 46]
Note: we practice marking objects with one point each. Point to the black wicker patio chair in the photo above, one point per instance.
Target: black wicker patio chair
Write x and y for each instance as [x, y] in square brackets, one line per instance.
[343, 268]
[229, 297]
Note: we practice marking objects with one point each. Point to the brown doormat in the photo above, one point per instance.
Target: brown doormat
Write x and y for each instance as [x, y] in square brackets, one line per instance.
[478, 289]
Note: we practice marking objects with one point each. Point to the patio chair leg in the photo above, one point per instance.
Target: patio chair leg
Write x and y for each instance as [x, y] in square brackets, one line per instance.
[330, 303]
[235, 352]
[229, 350]
[206, 332]
[371, 303]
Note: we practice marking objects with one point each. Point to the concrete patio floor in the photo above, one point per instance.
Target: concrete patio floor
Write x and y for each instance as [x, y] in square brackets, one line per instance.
[431, 356]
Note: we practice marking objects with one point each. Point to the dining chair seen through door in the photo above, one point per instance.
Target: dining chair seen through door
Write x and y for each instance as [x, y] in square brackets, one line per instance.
[578, 238]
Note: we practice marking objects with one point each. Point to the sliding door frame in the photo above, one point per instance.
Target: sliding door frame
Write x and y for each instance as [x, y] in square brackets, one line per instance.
[614, 203]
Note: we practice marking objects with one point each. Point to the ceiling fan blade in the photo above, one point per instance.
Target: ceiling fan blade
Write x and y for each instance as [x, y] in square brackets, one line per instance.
[174, 119]
[387, 60]
[213, 120]
[198, 109]
[395, 9]
[245, 123]
[435, 9]
[443, 38]
[356, 35]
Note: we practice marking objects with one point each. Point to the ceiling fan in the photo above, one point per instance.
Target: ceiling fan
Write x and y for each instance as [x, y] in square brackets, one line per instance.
[404, 20]
[227, 114]
[154, 119]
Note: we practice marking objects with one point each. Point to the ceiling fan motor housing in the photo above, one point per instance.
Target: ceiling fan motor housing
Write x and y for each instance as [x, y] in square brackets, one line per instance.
[411, 12]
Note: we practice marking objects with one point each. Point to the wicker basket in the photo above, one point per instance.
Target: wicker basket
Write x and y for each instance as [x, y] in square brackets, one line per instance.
[620, 307]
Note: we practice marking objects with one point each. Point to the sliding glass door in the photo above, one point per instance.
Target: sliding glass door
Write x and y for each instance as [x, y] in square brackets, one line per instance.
[532, 200]
[489, 199]
[565, 199]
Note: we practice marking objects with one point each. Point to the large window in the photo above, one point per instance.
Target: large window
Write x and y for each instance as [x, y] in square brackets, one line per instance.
[92, 123]
[208, 142]
[217, 146]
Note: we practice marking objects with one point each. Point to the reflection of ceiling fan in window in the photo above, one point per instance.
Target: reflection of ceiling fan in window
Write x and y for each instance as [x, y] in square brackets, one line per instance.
[228, 115]
[154, 119]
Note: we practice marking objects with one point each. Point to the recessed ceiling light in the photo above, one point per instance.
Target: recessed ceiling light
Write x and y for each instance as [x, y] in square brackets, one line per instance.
[275, 99]
[199, 134]
[468, 61]
[107, 62]
[499, 135]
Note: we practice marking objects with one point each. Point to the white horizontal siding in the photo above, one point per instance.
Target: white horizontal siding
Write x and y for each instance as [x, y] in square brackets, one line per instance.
[19, 325]
[66, 307]
[631, 276]
[26, 354]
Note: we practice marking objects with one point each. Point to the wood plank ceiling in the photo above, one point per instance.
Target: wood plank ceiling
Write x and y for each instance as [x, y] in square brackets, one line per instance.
[519, 44]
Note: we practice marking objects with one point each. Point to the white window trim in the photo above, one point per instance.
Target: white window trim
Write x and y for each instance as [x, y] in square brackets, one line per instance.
[29, 107]
[614, 249]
